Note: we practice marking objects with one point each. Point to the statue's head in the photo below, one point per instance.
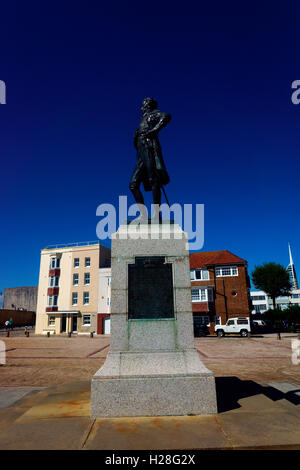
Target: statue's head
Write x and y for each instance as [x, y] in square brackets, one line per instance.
[148, 105]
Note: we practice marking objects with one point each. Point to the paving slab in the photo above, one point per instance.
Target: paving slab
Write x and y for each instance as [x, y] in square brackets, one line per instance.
[9, 395]
[178, 432]
[252, 417]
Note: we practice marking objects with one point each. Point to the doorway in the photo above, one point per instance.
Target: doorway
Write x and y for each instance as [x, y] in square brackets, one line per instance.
[74, 324]
[63, 324]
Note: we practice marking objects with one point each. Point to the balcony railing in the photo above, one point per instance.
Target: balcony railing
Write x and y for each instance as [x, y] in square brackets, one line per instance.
[67, 245]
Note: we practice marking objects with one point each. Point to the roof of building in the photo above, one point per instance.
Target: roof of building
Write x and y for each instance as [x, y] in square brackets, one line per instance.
[208, 258]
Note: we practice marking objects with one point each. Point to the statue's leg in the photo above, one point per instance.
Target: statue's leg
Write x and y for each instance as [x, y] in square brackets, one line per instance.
[134, 187]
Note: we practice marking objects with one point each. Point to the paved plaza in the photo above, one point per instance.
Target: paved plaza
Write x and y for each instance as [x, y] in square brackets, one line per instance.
[45, 393]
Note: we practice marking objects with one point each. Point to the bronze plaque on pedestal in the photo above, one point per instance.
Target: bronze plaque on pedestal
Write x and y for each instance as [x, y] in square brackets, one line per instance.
[150, 289]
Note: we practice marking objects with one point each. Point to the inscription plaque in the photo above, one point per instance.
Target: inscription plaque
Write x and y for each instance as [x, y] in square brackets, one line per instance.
[150, 288]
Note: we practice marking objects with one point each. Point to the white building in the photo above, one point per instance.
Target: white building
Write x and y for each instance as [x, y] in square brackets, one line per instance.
[262, 302]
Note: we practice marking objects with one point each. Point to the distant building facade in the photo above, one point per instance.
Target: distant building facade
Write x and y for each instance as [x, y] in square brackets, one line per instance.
[220, 287]
[20, 298]
[74, 292]
[262, 302]
[69, 288]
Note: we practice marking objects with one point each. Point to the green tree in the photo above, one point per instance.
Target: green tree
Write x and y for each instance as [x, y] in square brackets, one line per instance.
[273, 279]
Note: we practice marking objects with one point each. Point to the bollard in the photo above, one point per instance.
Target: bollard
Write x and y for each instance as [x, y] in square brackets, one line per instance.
[69, 334]
[48, 334]
[278, 335]
[91, 334]
[25, 332]
[7, 333]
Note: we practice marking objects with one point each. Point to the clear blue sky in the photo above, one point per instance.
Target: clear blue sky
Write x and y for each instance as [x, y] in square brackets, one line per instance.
[76, 73]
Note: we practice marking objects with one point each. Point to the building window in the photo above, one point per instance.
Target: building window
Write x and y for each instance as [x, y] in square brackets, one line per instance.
[217, 320]
[202, 320]
[108, 301]
[55, 263]
[76, 262]
[258, 297]
[51, 321]
[202, 294]
[75, 279]
[86, 278]
[53, 281]
[87, 263]
[86, 320]
[227, 271]
[234, 293]
[260, 308]
[52, 300]
[295, 296]
[108, 281]
[86, 298]
[74, 298]
[199, 275]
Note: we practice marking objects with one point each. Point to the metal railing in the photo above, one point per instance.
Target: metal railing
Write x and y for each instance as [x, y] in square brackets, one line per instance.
[68, 245]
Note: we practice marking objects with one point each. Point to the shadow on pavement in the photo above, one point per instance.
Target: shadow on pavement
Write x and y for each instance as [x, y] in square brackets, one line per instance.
[231, 389]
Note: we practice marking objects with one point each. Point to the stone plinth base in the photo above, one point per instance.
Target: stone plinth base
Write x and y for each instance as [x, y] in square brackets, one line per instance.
[153, 384]
[153, 368]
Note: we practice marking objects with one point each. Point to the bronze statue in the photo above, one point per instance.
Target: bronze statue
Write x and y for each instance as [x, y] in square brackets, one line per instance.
[150, 167]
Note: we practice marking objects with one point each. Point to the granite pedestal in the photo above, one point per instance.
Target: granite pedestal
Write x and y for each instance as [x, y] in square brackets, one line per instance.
[152, 368]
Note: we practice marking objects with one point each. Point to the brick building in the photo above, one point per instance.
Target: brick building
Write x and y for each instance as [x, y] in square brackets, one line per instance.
[220, 287]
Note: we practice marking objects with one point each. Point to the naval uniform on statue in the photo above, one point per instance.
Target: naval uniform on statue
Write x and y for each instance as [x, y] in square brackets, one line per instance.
[150, 167]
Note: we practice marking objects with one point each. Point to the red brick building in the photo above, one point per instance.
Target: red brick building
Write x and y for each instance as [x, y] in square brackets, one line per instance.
[220, 287]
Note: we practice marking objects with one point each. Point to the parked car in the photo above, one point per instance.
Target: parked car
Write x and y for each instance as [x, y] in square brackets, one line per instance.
[200, 330]
[236, 326]
[260, 326]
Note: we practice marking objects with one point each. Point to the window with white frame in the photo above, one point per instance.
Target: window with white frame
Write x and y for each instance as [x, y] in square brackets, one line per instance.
[199, 275]
[87, 278]
[76, 262]
[74, 298]
[226, 271]
[75, 279]
[258, 297]
[87, 262]
[53, 281]
[86, 298]
[260, 307]
[108, 301]
[108, 281]
[52, 300]
[202, 294]
[202, 320]
[217, 320]
[54, 263]
[51, 320]
[86, 320]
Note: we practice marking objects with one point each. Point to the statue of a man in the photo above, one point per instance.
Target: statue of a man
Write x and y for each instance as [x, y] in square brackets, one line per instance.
[150, 167]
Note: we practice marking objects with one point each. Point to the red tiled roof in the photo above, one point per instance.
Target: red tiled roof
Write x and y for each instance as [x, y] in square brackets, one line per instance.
[208, 258]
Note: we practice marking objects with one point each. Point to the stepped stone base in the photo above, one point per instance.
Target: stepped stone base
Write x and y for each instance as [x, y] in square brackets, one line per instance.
[152, 368]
